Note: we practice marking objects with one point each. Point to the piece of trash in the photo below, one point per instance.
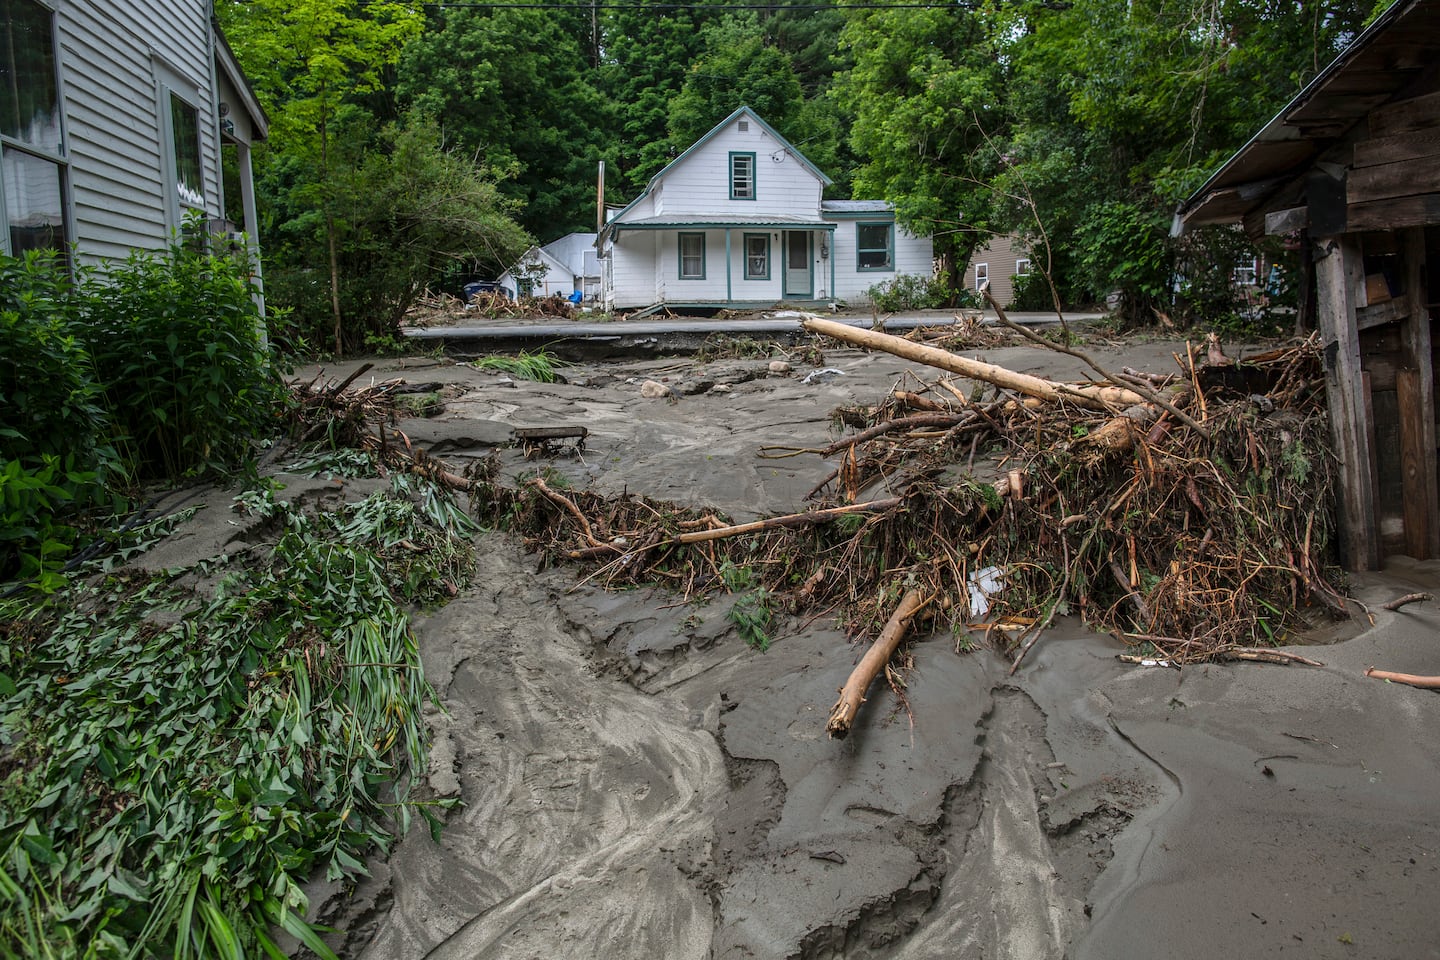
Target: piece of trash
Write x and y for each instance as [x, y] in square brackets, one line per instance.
[823, 375]
[1156, 663]
[983, 584]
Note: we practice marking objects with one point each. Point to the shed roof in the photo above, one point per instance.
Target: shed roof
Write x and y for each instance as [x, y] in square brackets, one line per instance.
[1387, 58]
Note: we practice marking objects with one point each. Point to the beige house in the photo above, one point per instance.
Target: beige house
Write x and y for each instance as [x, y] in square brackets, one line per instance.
[999, 262]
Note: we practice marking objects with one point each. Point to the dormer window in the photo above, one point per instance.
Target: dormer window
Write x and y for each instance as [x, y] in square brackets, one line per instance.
[742, 176]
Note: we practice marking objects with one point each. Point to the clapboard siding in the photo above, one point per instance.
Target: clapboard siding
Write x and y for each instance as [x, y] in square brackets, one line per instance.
[633, 270]
[700, 187]
[112, 58]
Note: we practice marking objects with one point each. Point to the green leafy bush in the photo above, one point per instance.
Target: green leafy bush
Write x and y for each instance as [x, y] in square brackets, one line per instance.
[909, 291]
[176, 340]
[54, 449]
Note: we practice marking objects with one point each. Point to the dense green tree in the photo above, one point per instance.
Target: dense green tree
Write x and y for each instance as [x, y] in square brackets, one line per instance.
[308, 60]
[925, 88]
[736, 69]
[512, 86]
[648, 49]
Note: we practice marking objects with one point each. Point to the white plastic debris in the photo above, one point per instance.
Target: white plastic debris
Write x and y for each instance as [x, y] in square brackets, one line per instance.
[823, 375]
[984, 584]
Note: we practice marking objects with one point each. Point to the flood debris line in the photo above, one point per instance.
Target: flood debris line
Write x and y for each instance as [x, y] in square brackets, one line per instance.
[1190, 543]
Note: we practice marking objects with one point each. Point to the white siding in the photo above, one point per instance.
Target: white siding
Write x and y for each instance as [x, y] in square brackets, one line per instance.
[633, 271]
[699, 185]
[114, 120]
[912, 254]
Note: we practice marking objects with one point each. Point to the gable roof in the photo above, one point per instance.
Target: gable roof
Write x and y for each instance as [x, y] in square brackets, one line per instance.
[1384, 60]
[746, 112]
[538, 253]
[742, 111]
[226, 62]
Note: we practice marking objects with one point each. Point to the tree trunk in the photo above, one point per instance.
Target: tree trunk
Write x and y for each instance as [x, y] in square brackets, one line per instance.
[1088, 396]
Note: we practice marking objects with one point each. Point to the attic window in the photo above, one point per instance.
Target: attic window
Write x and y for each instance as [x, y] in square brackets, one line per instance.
[744, 126]
[742, 176]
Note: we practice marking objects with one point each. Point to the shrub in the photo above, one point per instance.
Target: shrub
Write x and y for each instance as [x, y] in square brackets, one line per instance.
[909, 291]
[176, 338]
[1031, 293]
[54, 449]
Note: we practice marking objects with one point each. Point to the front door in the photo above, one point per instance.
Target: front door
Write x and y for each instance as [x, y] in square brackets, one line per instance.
[799, 281]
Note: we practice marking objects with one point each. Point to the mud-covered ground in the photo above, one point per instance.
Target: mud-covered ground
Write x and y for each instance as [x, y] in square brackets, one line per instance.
[637, 782]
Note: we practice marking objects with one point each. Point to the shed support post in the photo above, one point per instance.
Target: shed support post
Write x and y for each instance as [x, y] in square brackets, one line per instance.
[1417, 408]
[1338, 274]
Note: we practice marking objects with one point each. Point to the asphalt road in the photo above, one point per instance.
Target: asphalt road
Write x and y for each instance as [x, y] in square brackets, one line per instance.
[779, 324]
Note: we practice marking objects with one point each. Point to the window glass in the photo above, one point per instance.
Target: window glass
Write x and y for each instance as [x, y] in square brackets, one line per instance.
[982, 275]
[29, 98]
[33, 202]
[185, 126]
[757, 256]
[873, 241]
[1022, 268]
[692, 256]
[742, 176]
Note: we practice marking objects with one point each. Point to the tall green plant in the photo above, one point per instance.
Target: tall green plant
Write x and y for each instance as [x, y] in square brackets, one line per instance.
[175, 339]
[54, 435]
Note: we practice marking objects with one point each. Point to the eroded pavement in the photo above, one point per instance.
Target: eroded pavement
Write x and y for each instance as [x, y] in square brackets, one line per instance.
[637, 782]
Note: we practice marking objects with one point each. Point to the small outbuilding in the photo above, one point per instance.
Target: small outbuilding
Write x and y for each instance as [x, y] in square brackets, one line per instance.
[1351, 167]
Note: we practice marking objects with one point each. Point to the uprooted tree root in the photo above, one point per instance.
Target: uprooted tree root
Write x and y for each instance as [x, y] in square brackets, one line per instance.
[1006, 512]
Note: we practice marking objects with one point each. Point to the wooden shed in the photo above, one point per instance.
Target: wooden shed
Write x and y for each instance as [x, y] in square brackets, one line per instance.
[1352, 167]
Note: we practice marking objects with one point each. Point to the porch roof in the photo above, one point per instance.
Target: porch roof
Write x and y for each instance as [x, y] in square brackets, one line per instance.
[722, 223]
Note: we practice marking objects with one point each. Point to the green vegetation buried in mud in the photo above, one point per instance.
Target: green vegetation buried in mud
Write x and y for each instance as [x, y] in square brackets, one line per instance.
[541, 366]
[176, 759]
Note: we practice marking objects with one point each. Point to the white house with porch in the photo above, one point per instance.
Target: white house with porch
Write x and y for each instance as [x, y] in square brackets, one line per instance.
[738, 220]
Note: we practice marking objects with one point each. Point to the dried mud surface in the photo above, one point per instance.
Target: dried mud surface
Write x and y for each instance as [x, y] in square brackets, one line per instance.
[637, 782]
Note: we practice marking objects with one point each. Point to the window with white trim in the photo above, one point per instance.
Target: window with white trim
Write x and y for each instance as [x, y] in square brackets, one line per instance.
[181, 161]
[33, 166]
[742, 176]
[692, 256]
[757, 256]
[982, 276]
[1022, 267]
[875, 246]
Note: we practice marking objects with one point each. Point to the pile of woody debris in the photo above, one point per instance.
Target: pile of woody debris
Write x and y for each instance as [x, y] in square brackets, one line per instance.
[1187, 513]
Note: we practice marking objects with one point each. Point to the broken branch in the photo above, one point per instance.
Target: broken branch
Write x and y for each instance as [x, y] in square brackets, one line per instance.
[1426, 683]
[842, 715]
[1399, 602]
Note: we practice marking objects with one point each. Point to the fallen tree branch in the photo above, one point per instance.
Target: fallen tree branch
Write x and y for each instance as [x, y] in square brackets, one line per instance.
[899, 423]
[842, 715]
[1144, 388]
[1425, 683]
[1260, 655]
[1091, 396]
[1399, 602]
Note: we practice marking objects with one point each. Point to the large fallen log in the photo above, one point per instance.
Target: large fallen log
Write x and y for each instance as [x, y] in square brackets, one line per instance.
[1099, 398]
[853, 693]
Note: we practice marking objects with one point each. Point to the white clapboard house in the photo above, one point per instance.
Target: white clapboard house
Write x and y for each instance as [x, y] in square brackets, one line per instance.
[116, 121]
[738, 220]
[562, 267]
